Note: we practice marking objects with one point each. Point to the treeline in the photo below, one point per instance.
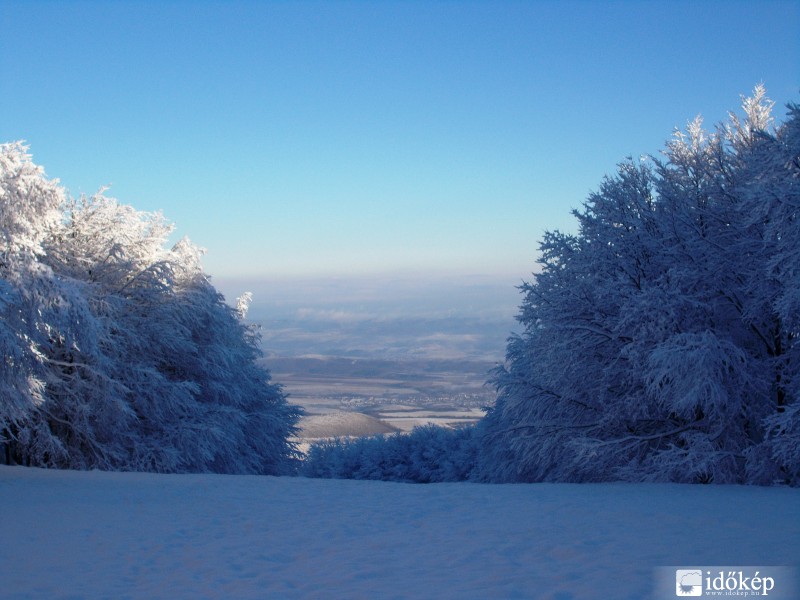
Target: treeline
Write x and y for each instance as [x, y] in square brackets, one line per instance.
[117, 352]
[660, 341]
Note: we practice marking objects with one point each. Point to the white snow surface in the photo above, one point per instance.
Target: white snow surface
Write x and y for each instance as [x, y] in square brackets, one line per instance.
[68, 534]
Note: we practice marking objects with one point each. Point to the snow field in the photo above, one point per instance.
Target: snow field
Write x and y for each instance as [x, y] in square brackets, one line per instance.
[132, 535]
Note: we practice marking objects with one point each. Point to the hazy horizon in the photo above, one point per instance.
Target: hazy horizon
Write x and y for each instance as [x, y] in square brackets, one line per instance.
[380, 316]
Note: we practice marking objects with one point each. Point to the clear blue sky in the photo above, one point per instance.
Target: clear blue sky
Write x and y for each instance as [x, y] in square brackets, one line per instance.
[341, 138]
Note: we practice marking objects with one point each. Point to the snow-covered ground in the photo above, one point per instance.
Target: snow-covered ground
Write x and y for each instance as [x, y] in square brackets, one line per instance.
[130, 535]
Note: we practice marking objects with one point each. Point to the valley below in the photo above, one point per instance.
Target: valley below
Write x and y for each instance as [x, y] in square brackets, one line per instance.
[351, 397]
[379, 355]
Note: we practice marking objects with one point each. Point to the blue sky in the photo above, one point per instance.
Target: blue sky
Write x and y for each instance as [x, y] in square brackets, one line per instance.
[348, 138]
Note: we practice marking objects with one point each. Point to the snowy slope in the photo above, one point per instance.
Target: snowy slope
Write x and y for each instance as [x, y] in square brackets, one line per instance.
[130, 535]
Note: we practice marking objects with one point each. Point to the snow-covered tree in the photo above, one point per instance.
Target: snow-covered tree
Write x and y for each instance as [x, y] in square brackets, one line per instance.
[29, 212]
[118, 351]
[661, 340]
[425, 455]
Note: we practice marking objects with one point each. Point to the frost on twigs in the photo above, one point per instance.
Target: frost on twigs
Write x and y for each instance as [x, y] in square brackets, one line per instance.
[662, 341]
[118, 352]
[243, 304]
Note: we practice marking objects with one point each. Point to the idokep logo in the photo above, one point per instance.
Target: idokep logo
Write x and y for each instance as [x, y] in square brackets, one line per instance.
[705, 581]
[688, 582]
[749, 581]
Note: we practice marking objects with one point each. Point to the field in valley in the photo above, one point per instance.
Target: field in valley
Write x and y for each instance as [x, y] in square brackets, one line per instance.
[359, 396]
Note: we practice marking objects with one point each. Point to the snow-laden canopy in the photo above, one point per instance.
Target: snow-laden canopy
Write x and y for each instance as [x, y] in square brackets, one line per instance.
[117, 351]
